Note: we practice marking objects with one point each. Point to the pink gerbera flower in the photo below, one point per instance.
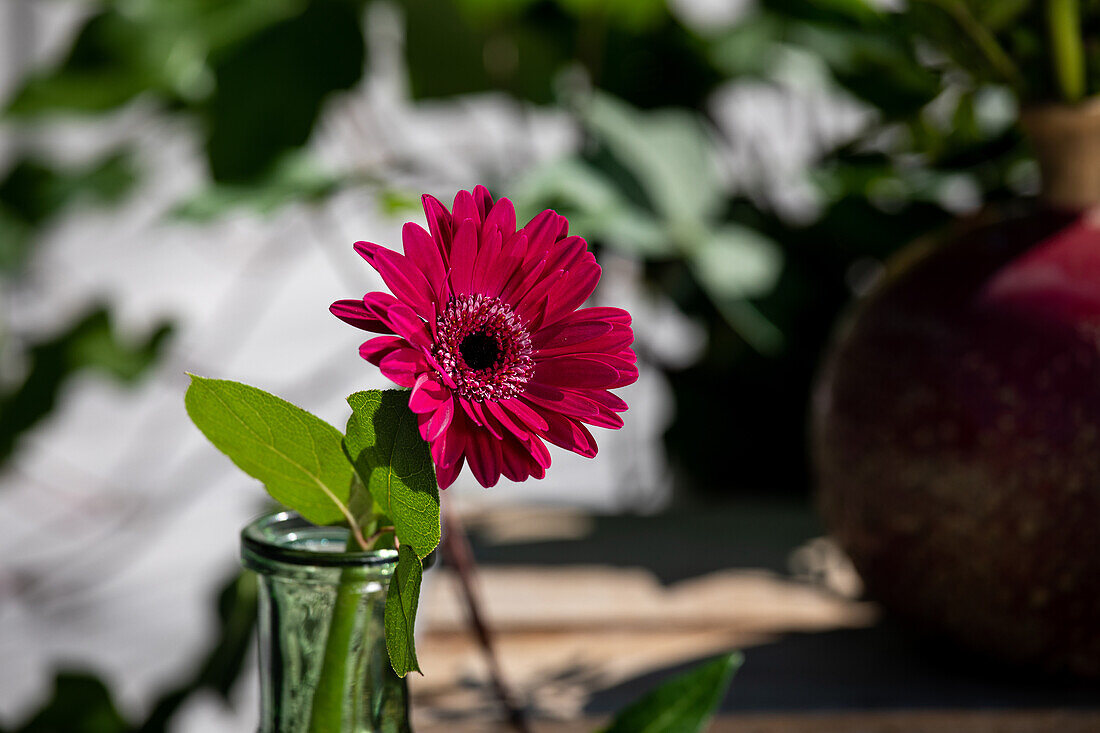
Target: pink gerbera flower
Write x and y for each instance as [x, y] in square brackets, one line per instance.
[483, 325]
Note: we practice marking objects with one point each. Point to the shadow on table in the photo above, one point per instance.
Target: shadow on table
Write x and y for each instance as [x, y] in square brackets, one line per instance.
[881, 667]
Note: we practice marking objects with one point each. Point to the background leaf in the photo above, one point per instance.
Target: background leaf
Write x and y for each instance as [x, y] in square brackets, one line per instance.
[402, 599]
[669, 152]
[33, 192]
[684, 704]
[395, 465]
[269, 89]
[294, 178]
[297, 456]
[80, 704]
[90, 343]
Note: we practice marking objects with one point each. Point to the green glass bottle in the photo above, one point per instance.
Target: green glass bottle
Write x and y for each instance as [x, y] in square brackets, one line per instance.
[323, 661]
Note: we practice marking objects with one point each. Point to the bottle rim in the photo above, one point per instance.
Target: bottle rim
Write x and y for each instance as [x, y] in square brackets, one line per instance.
[277, 536]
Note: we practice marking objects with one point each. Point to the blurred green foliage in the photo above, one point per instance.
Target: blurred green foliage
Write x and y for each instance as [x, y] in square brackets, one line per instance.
[33, 192]
[256, 74]
[634, 49]
[89, 344]
[254, 71]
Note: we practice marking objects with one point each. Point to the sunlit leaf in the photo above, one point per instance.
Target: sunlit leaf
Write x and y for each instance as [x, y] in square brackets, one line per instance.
[298, 457]
[395, 465]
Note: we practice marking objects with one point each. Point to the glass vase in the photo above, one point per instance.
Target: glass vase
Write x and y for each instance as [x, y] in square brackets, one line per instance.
[323, 661]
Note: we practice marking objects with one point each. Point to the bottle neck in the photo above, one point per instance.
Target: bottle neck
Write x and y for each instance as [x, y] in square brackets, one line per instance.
[1066, 141]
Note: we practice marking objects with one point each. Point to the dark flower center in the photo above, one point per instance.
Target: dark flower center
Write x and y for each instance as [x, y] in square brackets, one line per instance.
[484, 347]
[480, 350]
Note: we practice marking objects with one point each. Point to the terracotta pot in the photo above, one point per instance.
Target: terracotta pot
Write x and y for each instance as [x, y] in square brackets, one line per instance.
[956, 421]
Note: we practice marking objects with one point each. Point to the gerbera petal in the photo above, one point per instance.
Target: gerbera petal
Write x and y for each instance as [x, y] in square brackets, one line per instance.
[377, 348]
[614, 341]
[532, 306]
[405, 281]
[571, 291]
[563, 335]
[539, 453]
[524, 413]
[598, 313]
[567, 433]
[477, 415]
[421, 250]
[566, 402]
[607, 399]
[398, 317]
[449, 447]
[465, 208]
[484, 461]
[427, 394]
[503, 417]
[402, 366]
[546, 229]
[488, 258]
[433, 424]
[446, 475]
[463, 257]
[575, 403]
[577, 371]
[623, 364]
[516, 460]
[568, 253]
[522, 280]
[439, 224]
[502, 216]
[483, 200]
[367, 250]
[355, 313]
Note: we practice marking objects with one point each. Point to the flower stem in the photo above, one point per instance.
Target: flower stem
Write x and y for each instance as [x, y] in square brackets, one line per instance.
[1067, 50]
[329, 697]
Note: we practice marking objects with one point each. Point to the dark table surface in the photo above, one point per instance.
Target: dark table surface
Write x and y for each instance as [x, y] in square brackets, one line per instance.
[884, 667]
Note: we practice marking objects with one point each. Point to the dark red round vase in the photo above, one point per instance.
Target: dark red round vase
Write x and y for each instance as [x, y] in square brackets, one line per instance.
[956, 438]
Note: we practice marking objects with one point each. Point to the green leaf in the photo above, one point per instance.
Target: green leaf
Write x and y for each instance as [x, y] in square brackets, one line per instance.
[395, 465]
[402, 599]
[296, 455]
[684, 704]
